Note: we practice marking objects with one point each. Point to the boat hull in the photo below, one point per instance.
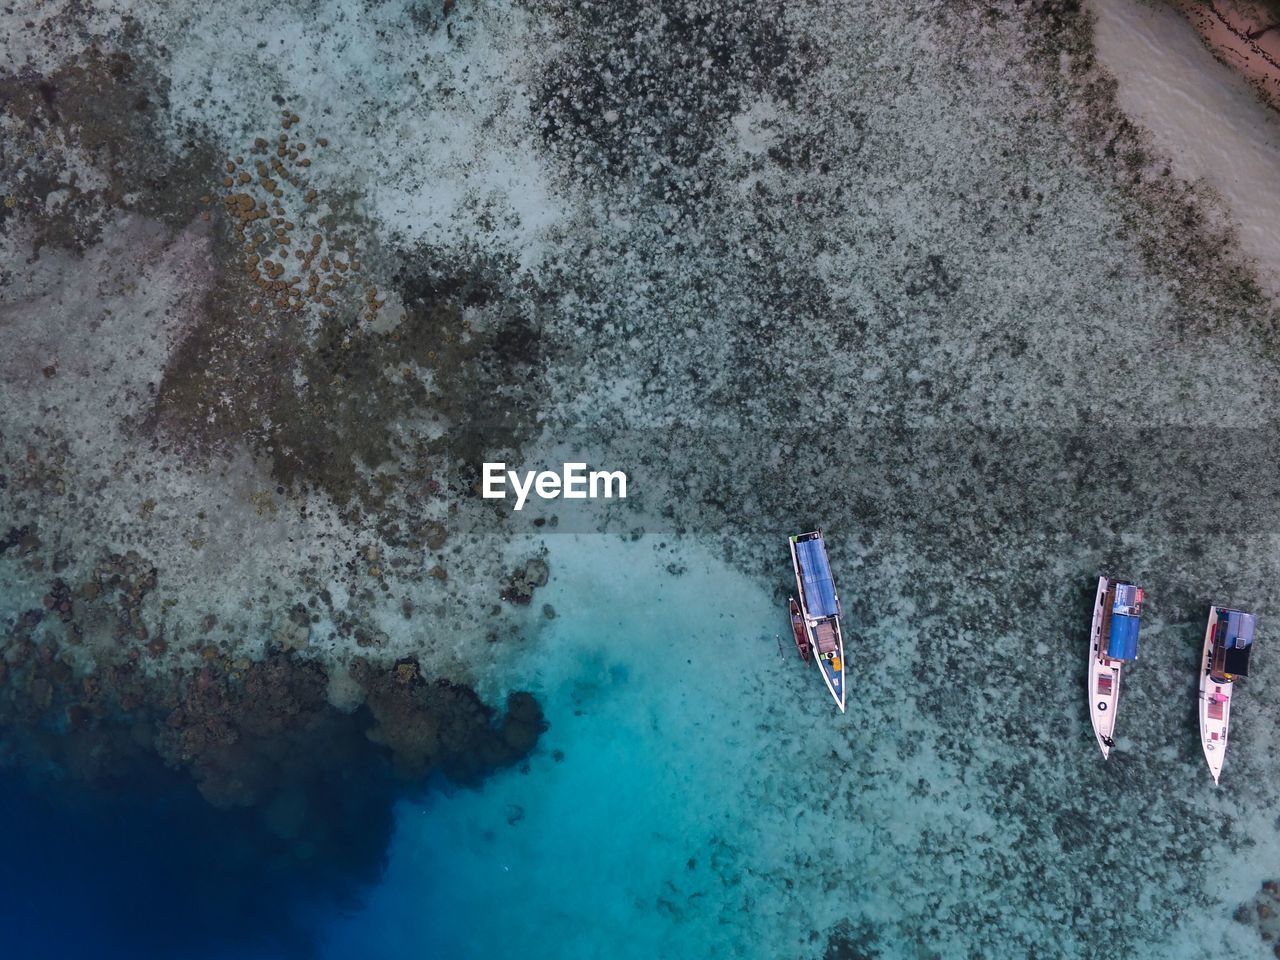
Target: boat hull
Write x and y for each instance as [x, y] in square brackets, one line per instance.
[831, 666]
[1104, 677]
[1215, 704]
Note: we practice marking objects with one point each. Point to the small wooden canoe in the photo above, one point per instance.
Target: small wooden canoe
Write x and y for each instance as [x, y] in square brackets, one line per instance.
[799, 631]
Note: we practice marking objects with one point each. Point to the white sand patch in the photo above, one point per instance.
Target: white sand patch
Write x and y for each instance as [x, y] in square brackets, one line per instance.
[427, 118]
[756, 127]
[33, 35]
[1202, 114]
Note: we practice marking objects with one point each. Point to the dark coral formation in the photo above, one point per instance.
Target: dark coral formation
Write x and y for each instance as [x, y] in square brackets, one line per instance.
[323, 406]
[852, 941]
[640, 78]
[520, 585]
[108, 106]
[246, 730]
[257, 736]
[439, 725]
[1263, 914]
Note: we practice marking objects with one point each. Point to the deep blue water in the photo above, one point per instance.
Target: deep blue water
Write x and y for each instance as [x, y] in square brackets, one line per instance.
[155, 872]
[147, 875]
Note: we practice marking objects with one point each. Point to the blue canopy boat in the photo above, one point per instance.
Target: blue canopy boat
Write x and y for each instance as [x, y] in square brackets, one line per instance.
[1113, 642]
[820, 609]
[1228, 649]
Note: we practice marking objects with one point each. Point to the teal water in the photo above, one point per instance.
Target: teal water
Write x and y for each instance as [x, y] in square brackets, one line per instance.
[698, 795]
[647, 837]
[709, 800]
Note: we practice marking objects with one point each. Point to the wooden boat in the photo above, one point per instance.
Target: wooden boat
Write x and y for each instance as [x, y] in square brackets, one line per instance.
[1113, 641]
[1228, 646]
[820, 609]
[799, 630]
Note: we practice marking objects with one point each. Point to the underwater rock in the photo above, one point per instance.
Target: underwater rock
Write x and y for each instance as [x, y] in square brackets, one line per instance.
[58, 600]
[536, 572]
[1263, 913]
[523, 725]
[443, 725]
[520, 586]
[849, 941]
[435, 535]
[14, 537]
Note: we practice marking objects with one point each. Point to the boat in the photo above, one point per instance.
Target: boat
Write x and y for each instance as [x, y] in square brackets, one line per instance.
[820, 609]
[1228, 646]
[1113, 642]
[799, 630]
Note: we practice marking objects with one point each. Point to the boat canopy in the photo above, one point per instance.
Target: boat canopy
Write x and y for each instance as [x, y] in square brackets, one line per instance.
[815, 572]
[1236, 641]
[1126, 610]
[1123, 644]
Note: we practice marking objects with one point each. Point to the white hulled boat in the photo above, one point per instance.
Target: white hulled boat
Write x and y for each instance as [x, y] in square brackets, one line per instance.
[1113, 642]
[1228, 646]
[820, 609]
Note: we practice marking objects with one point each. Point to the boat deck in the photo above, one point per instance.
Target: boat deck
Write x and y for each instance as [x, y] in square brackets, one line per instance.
[825, 632]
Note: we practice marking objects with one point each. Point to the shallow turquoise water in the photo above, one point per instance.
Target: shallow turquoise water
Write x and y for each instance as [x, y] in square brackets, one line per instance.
[710, 801]
[697, 794]
[634, 843]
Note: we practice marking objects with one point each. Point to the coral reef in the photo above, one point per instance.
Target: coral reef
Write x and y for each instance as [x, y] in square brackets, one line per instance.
[443, 725]
[523, 581]
[897, 274]
[86, 143]
[849, 941]
[1263, 914]
[253, 734]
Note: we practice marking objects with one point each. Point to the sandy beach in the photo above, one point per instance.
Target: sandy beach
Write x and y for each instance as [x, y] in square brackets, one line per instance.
[1244, 35]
